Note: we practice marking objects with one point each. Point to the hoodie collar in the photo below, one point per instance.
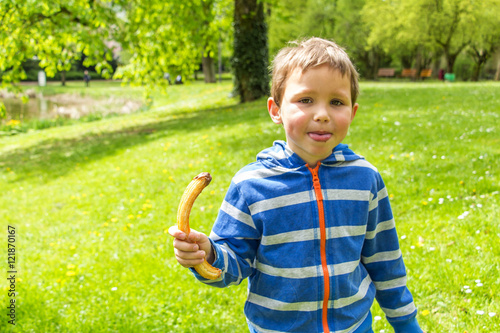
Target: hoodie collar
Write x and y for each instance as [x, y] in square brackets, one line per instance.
[280, 155]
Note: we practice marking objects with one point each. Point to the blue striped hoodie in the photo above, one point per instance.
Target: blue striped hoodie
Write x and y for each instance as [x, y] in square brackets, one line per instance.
[318, 245]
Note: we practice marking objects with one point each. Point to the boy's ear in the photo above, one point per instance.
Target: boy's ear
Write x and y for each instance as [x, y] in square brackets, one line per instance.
[354, 109]
[274, 111]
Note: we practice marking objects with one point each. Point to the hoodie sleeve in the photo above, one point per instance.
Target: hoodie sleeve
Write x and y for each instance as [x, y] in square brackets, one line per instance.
[235, 239]
[383, 260]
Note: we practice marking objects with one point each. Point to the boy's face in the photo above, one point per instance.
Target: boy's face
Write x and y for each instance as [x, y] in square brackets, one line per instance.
[316, 111]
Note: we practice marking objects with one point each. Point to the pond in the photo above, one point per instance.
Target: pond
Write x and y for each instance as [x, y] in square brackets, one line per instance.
[73, 106]
[36, 108]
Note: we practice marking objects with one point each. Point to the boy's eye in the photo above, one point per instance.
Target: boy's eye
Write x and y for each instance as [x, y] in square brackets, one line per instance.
[305, 100]
[336, 102]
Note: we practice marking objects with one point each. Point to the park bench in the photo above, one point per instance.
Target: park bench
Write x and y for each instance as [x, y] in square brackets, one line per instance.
[386, 72]
[425, 73]
[409, 72]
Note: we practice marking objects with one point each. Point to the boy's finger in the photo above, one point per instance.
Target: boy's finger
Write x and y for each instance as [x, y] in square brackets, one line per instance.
[175, 232]
[185, 246]
[189, 259]
[196, 255]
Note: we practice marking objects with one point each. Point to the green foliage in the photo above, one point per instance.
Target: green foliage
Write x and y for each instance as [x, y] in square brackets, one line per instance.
[155, 37]
[430, 28]
[53, 32]
[2, 110]
[250, 60]
[401, 33]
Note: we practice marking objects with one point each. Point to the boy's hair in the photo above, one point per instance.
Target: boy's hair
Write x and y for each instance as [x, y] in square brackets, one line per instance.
[310, 53]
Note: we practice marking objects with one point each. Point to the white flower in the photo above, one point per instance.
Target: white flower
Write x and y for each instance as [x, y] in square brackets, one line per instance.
[377, 318]
[480, 312]
[114, 289]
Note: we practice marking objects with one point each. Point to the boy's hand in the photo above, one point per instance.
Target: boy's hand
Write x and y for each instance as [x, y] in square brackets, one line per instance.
[191, 250]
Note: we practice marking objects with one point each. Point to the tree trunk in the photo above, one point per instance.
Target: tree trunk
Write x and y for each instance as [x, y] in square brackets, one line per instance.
[63, 78]
[497, 74]
[450, 62]
[208, 68]
[250, 58]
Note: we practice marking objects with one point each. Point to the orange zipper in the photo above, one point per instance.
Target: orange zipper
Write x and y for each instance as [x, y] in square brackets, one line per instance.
[322, 228]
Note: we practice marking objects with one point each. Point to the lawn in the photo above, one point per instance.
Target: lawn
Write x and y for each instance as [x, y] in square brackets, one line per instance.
[91, 203]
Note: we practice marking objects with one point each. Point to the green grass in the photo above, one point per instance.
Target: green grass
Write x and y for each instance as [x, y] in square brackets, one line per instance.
[91, 203]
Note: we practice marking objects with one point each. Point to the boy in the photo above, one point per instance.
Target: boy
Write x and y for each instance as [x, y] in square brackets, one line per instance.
[310, 222]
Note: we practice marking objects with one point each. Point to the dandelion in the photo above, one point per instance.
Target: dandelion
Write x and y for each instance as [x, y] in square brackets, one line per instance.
[13, 122]
[425, 312]
[424, 202]
[130, 217]
[72, 247]
[70, 273]
[70, 266]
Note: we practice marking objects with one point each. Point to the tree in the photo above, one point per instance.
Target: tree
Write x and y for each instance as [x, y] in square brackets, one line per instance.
[352, 32]
[156, 36]
[424, 25]
[217, 18]
[250, 59]
[486, 36]
[53, 32]
[293, 19]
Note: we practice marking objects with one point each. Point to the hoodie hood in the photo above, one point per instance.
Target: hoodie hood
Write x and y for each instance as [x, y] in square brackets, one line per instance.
[280, 155]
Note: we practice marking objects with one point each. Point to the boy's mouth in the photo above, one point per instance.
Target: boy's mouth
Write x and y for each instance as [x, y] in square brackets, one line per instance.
[320, 136]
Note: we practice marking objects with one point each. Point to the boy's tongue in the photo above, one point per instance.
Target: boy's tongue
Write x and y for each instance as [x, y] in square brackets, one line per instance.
[320, 136]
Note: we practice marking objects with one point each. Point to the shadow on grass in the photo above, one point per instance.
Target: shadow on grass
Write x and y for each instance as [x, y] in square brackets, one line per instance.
[54, 158]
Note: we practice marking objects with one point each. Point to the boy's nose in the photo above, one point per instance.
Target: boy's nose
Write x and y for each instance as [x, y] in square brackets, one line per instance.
[321, 115]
